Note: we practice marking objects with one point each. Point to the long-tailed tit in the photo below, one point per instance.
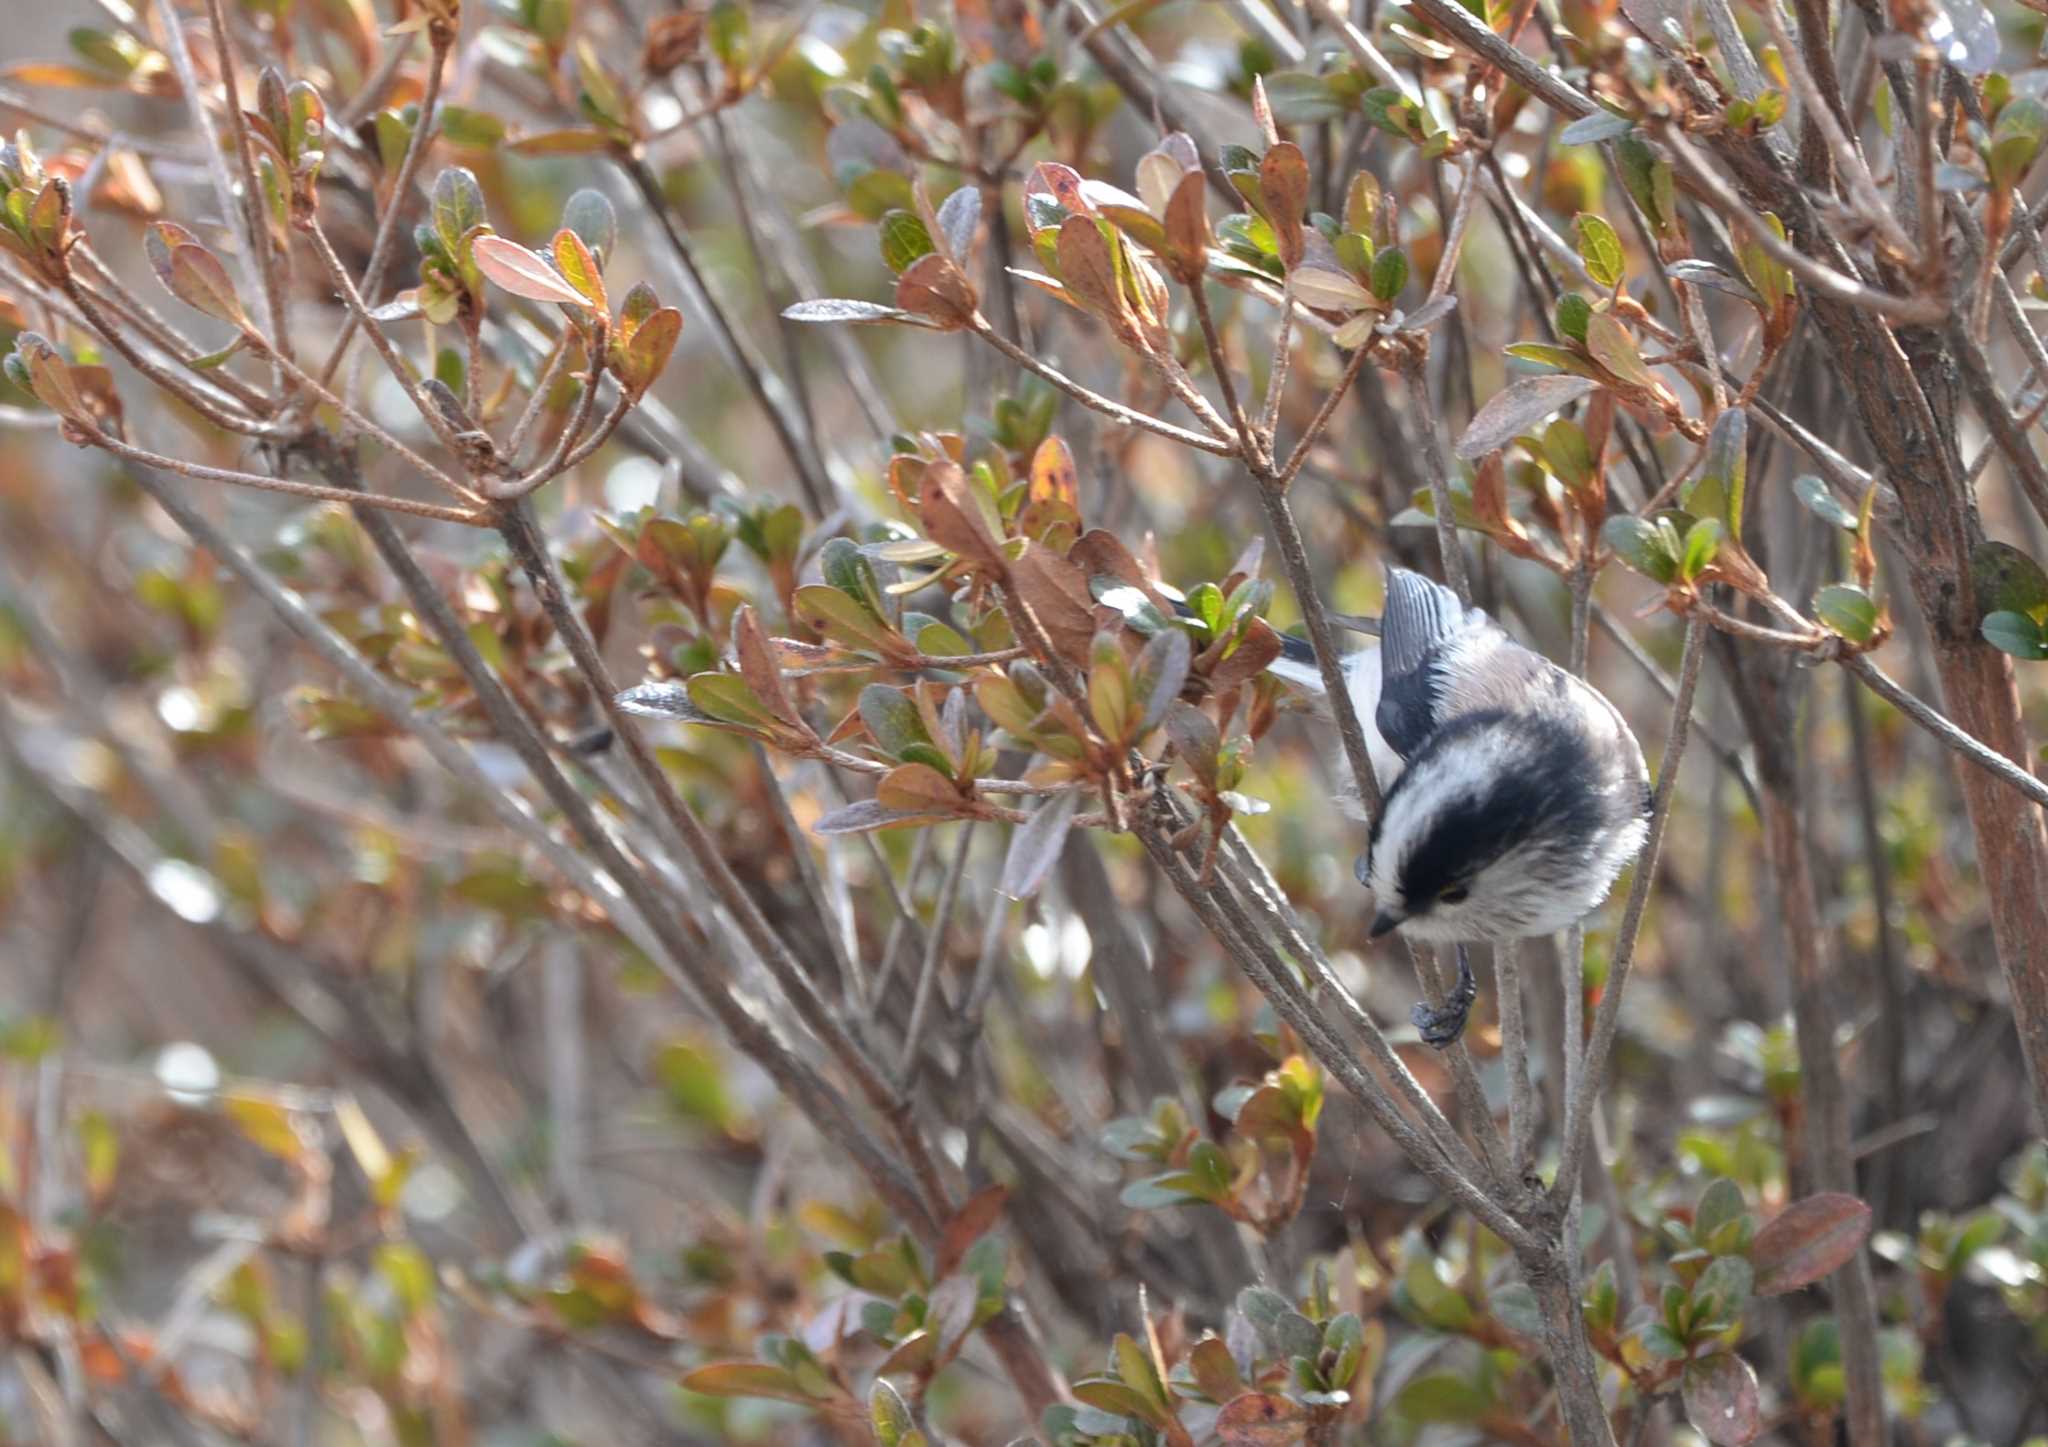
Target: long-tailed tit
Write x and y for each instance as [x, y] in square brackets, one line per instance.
[1513, 793]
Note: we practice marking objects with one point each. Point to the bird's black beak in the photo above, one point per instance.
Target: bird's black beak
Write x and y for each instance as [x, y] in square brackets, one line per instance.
[1383, 924]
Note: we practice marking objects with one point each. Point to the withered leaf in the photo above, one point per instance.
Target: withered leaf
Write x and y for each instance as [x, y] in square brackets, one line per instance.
[1056, 592]
[934, 288]
[952, 518]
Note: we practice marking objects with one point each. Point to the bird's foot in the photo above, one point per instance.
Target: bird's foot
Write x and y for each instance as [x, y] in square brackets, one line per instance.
[1441, 1025]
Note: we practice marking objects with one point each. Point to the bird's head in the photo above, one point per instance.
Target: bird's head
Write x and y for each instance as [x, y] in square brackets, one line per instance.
[1487, 834]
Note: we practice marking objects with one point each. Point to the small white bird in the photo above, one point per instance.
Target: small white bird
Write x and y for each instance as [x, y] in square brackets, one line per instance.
[1514, 793]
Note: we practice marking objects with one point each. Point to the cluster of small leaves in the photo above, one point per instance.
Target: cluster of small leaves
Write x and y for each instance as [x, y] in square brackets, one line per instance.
[1258, 1177]
[1282, 1370]
[998, 531]
[35, 210]
[904, 1315]
[2015, 1255]
[1698, 542]
[288, 130]
[930, 249]
[1719, 1259]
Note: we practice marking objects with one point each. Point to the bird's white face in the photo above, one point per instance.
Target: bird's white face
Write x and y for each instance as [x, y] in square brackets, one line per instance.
[1503, 900]
[1476, 843]
[1420, 880]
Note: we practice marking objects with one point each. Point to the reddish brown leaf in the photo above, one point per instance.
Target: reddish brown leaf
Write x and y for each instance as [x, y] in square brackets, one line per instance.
[1056, 592]
[1807, 1240]
[758, 665]
[918, 788]
[1254, 654]
[969, 1224]
[1721, 1400]
[1283, 180]
[1610, 344]
[1101, 554]
[953, 520]
[1087, 269]
[1187, 228]
[575, 140]
[192, 273]
[1062, 183]
[51, 377]
[1258, 1420]
[646, 356]
[1215, 1371]
[934, 288]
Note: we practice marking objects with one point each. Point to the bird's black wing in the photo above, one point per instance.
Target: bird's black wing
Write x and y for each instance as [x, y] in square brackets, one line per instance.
[1420, 615]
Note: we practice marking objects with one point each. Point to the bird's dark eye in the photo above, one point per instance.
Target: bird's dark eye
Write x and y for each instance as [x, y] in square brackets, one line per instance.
[1456, 894]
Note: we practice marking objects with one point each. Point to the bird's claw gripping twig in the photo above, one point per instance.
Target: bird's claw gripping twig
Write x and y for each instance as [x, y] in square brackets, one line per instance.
[1441, 1025]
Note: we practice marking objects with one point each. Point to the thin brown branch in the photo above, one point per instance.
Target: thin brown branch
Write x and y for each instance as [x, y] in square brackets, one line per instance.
[1095, 400]
[440, 39]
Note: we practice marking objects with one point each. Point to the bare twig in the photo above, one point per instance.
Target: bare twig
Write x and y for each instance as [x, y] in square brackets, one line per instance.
[1580, 1104]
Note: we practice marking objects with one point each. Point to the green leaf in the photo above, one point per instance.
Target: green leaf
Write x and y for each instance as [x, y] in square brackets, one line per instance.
[1154, 1193]
[1613, 348]
[1602, 125]
[889, 1414]
[1813, 492]
[1389, 273]
[1567, 451]
[1514, 1306]
[1109, 689]
[1159, 675]
[1563, 358]
[1719, 1204]
[2016, 140]
[2006, 580]
[1572, 311]
[846, 568]
[589, 214]
[1640, 544]
[1600, 249]
[1726, 466]
[475, 130]
[1435, 1303]
[841, 618]
[726, 697]
[1134, 1367]
[1723, 1289]
[2017, 634]
[579, 268]
[1648, 180]
[903, 240]
[892, 718]
[1119, 1399]
[458, 206]
[1702, 541]
[1847, 610]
